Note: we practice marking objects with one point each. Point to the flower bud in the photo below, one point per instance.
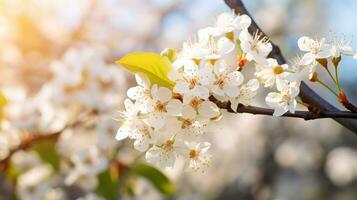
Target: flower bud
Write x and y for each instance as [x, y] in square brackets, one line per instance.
[336, 61]
[313, 77]
[323, 62]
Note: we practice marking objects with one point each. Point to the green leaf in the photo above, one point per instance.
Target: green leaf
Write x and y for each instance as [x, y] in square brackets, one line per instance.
[47, 152]
[156, 177]
[108, 186]
[171, 54]
[154, 66]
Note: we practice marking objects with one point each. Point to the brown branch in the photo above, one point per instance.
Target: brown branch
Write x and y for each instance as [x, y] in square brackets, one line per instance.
[306, 115]
[306, 93]
[34, 138]
[27, 143]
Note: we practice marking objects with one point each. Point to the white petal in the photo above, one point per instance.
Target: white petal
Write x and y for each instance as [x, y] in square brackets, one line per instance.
[200, 91]
[204, 146]
[208, 109]
[252, 85]
[164, 94]
[234, 104]
[122, 133]
[141, 144]
[307, 59]
[181, 87]
[188, 112]
[129, 105]
[231, 91]
[206, 76]
[225, 46]
[292, 106]
[272, 99]
[136, 92]
[305, 43]
[282, 84]
[235, 78]
[157, 120]
[174, 107]
[217, 90]
[154, 92]
[294, 89]
[243, 21]
[142, 80]
[279, 111]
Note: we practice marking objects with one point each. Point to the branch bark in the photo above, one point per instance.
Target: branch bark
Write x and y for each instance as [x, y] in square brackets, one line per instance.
[306, 115]
[306, 93]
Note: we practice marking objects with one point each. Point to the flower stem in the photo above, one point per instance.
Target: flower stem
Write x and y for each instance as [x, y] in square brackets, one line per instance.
[331, 76]
[327, 87]
[337, 80]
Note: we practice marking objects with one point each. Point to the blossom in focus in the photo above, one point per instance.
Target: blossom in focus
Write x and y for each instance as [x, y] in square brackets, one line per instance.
[284, 100]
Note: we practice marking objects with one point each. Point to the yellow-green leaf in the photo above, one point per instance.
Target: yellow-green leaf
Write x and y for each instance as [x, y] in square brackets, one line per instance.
[47, 152]
[154, 66]
[171, 54]
[159, 180]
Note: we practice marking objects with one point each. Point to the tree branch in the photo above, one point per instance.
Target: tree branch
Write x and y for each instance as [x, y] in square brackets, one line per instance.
[306, 93]
[37, 137]
[306, 115]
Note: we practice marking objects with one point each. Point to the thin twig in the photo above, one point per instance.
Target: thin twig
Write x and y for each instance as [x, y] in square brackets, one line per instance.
[306, 93]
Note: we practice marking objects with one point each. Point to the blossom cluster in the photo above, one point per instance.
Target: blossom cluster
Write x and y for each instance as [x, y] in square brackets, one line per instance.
[168, 124]
[53, 77]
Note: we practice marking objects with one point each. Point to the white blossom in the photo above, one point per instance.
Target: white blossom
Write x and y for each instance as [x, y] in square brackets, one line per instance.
[270, 73]
[226, 80]
[284, 100]
[198, 156]
[315, 49]
[247, 92]
[255, 47]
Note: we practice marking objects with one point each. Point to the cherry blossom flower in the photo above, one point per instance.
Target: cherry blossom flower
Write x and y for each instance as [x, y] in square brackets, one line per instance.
[270, 73]
[226, 80]
[255, 47]
[303, 68]
[198, 156]
[160, 106]
[247, 92]
[141, 93]
[284, 100]
[229, 22]
[315, 49]
[128, 118]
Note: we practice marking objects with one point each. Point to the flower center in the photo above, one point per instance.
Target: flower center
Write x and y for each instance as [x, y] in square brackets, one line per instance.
[160, 107]
[145, 132]
[195, 102]
[193, 154]
[168, 145]
[316, 50]
[221, 82]
[286, 98]
[242, 61]
[187, 123]
[193, 83]
[88, 161]
[278, 70]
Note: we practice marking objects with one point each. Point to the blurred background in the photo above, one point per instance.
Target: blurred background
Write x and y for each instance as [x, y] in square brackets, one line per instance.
[57, 63]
